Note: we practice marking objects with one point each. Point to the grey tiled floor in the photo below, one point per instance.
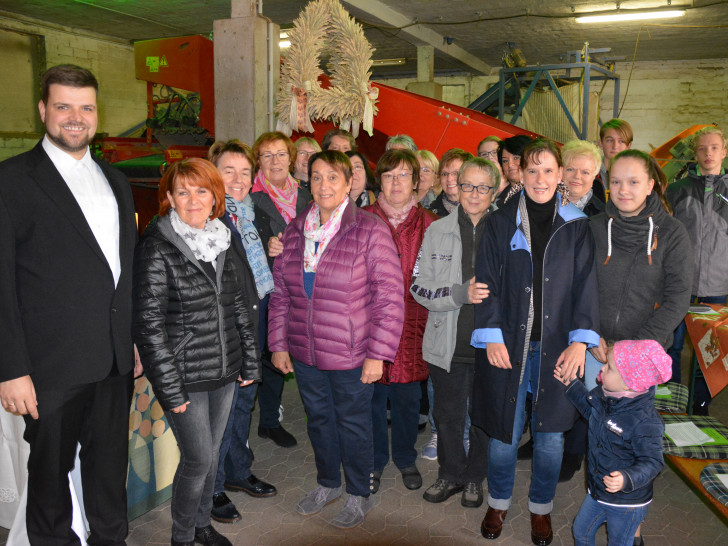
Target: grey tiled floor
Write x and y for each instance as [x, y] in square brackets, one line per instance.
[676, 517]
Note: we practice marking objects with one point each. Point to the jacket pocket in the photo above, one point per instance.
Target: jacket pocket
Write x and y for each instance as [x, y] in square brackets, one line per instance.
[351, 335]
[182, 343]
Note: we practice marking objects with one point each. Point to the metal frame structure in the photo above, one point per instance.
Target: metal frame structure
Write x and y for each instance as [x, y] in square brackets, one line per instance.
[589, 71]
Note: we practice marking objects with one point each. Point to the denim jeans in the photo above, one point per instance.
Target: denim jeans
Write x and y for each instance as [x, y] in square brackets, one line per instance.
[338, 407]
[622, 522]
[547, 452]
[404, 400]
[591, 370]
[701, 393]
[235, 455]
[198, 431]
[452, 392]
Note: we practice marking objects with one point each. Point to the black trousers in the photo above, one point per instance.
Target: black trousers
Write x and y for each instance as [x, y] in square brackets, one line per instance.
[95, 415]
[452, 391]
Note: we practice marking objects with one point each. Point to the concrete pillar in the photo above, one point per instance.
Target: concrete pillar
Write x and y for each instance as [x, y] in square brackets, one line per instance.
[425, 63]
[245, 81]
[425, 84]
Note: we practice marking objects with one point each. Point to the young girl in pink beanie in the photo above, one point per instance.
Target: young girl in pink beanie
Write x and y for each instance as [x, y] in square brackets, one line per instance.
[625, 439]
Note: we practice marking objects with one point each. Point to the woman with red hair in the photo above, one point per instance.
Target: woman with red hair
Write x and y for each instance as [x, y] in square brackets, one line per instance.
[193, 331]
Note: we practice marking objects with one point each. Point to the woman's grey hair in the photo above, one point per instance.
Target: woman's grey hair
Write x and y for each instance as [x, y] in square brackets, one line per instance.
[484, 166]
[401, 140]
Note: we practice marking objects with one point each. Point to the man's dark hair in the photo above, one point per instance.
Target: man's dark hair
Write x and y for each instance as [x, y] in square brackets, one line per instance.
[67, 74]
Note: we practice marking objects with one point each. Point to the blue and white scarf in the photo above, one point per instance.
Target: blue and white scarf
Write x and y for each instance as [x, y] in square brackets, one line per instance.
[242, 215]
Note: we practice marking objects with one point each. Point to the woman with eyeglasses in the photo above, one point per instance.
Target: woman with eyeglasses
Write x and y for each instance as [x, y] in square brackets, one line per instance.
[445, 284]
[305, 148]
[279, 199]
[429, 187]
[363, 183]
[450, 164]
[488, 149]
[398, 172]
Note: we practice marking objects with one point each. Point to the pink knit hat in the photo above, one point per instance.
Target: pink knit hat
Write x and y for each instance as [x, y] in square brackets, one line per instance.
[642, 363]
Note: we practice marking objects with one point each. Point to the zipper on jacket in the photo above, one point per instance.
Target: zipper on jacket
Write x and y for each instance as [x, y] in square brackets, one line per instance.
[543, 277]
[623, 292]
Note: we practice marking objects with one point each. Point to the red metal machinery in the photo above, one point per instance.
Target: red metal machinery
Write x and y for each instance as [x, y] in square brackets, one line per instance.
[187, 63]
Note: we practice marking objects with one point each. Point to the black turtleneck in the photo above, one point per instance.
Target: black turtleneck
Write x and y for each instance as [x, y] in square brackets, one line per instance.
[540, 221]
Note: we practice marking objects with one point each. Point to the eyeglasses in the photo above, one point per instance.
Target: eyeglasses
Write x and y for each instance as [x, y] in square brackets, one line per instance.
[358, 167]
[494, 153]
[389, 177]
[304, 154]
[268, 156]
[426, 170]
[448, 175]
[482, 190]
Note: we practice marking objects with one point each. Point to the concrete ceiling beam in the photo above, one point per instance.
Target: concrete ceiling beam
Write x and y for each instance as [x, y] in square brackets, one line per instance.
[420, 35]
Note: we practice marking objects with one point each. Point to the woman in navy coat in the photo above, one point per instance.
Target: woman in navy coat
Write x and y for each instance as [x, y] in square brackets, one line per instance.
[537, 257]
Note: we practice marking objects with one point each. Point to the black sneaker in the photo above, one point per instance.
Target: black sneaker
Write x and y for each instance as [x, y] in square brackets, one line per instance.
[223, 509]
[208, 536]
[441, 490]
[279, 435]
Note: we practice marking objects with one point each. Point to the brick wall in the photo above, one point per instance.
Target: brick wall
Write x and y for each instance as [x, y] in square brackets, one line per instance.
[122, 98]
[663, 99]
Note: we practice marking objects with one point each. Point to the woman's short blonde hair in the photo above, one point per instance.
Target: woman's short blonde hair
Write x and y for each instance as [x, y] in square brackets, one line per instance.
[431, 162]
[576, 148]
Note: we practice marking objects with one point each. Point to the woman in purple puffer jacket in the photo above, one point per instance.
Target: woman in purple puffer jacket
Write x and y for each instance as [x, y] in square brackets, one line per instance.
[335, 316]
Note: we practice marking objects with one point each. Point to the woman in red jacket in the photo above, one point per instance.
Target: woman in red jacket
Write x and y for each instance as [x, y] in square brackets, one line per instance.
[334, 317]
[398, 172]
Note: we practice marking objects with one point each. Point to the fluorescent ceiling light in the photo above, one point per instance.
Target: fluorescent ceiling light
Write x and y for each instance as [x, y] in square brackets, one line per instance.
[630, 16]
[389, 62]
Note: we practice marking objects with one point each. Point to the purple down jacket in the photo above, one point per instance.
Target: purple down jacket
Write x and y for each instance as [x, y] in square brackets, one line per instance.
[356, 310]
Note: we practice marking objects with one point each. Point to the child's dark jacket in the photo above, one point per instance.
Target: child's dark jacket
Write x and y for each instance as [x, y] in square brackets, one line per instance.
[625, 434]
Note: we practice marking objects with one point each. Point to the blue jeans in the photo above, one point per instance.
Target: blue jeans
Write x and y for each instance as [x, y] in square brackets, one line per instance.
[622, 523]
[198, 432]
[339, 410]
[404, 400]
[591, 370]
[548, 449]
[235, 455]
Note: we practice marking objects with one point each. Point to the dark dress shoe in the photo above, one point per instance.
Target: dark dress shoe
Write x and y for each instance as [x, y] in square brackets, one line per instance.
[223, 510]
[279, 435]
[208, 536]
[376, 480]
[253, 487]
[412, 478]
[541, 532]
[569, 465]
[493, 523]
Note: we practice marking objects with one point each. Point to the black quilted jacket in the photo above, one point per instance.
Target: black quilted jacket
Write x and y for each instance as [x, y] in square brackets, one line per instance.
[193, 333]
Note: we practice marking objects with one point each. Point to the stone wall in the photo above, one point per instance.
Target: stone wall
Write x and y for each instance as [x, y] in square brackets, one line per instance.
[122, 98]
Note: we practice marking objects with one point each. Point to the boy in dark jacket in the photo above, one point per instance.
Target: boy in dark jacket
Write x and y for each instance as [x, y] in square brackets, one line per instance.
[625, 439]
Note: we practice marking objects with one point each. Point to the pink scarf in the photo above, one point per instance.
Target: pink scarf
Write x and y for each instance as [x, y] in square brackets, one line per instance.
[283, 198]
[314, 233]
[396, 217]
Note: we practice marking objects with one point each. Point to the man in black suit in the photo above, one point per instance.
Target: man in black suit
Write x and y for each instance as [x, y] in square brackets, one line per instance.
[67, 236]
